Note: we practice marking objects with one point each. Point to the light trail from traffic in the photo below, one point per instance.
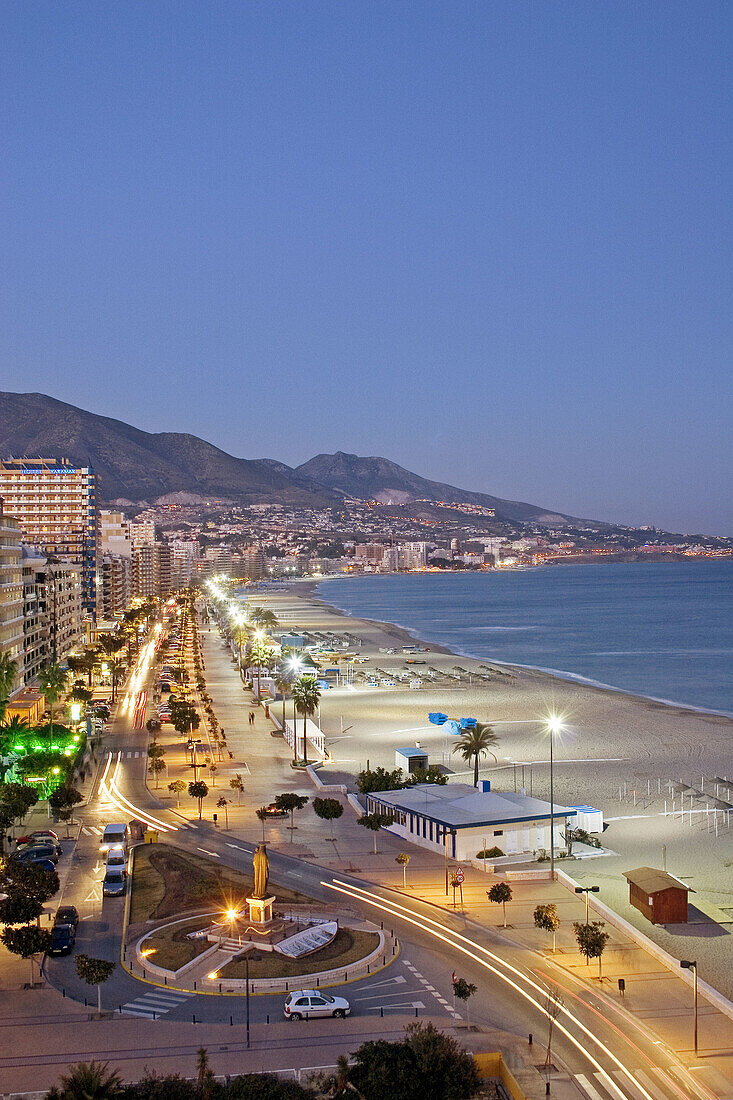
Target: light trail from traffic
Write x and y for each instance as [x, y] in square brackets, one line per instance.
[487, 959]
[112, 791]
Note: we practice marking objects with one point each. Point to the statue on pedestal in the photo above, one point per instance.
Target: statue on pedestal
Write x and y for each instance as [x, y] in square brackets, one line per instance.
[261, 866]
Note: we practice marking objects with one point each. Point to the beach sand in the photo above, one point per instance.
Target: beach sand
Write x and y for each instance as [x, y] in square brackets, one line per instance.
[613, 745]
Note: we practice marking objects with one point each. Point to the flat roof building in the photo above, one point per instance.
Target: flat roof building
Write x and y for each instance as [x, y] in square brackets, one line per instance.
[55, 504]
[465, 820]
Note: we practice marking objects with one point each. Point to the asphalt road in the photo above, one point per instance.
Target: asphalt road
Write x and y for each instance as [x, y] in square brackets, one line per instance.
[606, 1053]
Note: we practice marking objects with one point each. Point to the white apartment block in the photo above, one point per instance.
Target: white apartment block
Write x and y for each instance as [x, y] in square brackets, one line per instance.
[55, 504]
[11, 592]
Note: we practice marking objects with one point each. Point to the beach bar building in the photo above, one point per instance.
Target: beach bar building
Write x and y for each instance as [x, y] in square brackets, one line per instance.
[661, 897]
[462, 820]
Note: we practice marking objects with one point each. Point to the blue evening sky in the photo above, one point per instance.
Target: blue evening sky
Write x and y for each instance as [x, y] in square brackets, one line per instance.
[490, 241]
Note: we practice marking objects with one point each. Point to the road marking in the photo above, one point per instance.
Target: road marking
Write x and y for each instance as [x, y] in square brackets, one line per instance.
[208, 853]
[587, 1088]
[400, 980]
[237, 846]
[649, 1085]
[406, 1004]
[636, 1093]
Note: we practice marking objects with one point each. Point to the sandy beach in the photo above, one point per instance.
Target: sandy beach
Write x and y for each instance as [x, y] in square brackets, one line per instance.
[618, 753]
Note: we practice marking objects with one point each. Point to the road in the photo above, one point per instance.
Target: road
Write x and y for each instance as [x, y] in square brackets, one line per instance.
[603, 1052]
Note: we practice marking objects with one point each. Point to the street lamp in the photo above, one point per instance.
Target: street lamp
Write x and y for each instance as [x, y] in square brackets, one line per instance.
[687, 964]
[587, 890]
[554, 725]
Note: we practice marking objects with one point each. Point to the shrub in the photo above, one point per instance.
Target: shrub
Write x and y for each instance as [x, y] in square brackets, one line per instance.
[489, 853]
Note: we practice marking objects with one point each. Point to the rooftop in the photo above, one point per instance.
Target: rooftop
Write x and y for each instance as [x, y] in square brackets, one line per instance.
[461, 806]
[652, 881]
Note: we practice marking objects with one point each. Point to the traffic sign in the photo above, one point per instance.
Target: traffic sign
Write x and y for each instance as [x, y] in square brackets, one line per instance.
[460, 875]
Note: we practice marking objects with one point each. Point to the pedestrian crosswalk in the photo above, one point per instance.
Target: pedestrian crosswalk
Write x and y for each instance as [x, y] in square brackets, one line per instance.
[431, 989]
[616, 1084]
[97, 830]
[156, 1003]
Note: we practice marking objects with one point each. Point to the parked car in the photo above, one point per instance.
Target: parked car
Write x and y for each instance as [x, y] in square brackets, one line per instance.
[37, 835]
[63, 938]
[45, 851]
[303, 1003]
[67, 914]
[114, 882]
[35, 859]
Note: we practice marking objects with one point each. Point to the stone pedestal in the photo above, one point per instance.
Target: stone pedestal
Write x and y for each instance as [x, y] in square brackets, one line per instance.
[260, 911]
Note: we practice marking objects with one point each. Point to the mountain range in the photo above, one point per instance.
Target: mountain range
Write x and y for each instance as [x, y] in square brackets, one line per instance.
[142, 466]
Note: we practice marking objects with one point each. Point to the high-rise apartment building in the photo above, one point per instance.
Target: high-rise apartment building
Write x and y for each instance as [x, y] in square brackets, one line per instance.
[142, 532]
[114, 589]
[54, 616]
[55, 504]
[152, 573]
[11, 592]
[114, 534]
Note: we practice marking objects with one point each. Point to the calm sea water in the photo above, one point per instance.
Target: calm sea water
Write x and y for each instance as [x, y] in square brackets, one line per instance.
[662, 630]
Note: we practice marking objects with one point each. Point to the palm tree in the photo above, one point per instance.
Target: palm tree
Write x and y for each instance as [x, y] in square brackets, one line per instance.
[8, 672]
[52, 681]
[117, 669]
[91, 1081]
[475, 743]
[306, 697]
[9, 733]
[262, 616]
[261, 654]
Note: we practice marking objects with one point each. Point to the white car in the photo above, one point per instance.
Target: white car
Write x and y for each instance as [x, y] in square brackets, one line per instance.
[301, 1004]
[116, 858]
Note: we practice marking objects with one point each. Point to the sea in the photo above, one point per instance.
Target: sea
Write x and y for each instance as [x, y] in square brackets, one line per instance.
[663, 630]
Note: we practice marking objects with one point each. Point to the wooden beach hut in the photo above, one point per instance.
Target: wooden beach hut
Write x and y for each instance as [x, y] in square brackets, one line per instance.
[661, 897]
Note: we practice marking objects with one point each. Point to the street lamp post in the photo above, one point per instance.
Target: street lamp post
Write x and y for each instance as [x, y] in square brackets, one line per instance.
[587, 890]
[688, 964]
[554, 725]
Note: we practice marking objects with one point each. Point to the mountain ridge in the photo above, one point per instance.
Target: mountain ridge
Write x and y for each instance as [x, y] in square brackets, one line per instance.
[139, 465]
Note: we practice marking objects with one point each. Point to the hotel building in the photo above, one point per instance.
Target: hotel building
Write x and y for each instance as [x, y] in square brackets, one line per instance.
[55, 504]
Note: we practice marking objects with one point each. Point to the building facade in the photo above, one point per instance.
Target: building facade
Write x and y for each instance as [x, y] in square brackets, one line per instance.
[11, 591]
[56, 506]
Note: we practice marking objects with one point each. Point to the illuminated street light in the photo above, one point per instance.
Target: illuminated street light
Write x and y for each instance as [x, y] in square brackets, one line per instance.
[553, 724]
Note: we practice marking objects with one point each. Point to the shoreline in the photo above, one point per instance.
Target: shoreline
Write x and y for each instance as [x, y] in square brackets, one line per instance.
[405, 634]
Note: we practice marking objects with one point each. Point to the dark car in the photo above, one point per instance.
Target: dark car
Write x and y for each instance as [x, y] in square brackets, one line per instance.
[67, 914]
[42, 843]
[35, 859]
[63, 937]
[34, 852]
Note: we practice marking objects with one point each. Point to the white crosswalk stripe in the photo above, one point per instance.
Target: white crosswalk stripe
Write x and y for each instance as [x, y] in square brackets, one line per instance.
[156, 1004]
[589, 1089]
[598, 1086]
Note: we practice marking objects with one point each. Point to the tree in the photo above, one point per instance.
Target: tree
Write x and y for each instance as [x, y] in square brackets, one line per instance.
[290, 802]
[328, 809]
[156, 766]
[370, 782]
[260, 656]
[153, 726]
[117, 669]
[205, 1082]
[52, 681]
[177, 787]
[198, 790]
[431, 774]
[500, 893]
[425, 1065]
[155, 751]
[24, 880]
[403, 859]
[475, 743]
[94, 972]
[237, 785]
[63, 800]
[546, 918]
[262, 818]
[26, 942]
[464, 990]
[306, 697]
[90, 1081]
[7, 817]
[223, 804]
[8, 673]
[212, 771]
[20, 797]
[592, 940]
[375, 822]
[263, 617]
[18, 909]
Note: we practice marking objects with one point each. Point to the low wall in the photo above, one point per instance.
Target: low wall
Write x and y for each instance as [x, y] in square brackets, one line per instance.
[711, 995]
[335, 788]
[381, 956]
